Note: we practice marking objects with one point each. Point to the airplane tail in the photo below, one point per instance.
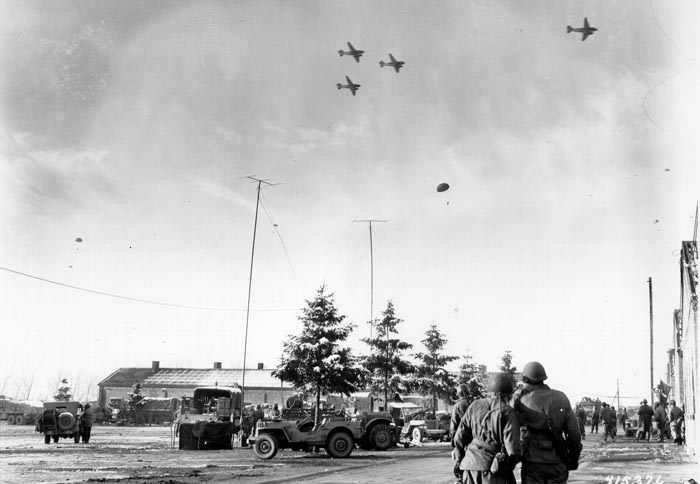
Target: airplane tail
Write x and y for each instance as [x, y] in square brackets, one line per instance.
[569, 29]
[341, 52]
[381, 63]
[339, 85]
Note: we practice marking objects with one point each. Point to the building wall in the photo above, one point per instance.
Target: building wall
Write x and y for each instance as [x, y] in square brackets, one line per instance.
[688, 381]
[252, 396]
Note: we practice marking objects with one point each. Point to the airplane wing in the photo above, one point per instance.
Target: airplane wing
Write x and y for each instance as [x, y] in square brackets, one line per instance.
[392, 58]
[397, 67]
[585, 23]
[352, 49]
[349, 81]
[353, 89]
[585, 35]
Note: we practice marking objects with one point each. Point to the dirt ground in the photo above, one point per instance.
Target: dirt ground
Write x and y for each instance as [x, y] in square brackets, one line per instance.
[150, 455]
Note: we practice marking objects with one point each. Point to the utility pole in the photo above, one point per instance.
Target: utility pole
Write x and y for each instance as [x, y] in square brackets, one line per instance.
[651, 341]
[250, 286]
[371, 272]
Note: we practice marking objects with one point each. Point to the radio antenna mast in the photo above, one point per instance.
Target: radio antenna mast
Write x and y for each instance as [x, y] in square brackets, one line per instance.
[250, 285]
[371, 272]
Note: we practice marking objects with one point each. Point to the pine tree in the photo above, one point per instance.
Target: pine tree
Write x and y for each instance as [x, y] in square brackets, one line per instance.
[469, 375]
[63, 393]
[388, 370]
[508, 368]
[431, 376]
[314, 360]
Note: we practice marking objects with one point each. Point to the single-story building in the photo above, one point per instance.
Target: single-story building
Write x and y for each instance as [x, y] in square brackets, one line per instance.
[260, 385]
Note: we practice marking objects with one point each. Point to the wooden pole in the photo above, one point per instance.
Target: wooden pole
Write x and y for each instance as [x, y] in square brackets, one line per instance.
[651, 342]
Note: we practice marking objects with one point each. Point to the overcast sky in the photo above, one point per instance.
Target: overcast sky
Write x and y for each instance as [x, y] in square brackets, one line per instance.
[131, 126]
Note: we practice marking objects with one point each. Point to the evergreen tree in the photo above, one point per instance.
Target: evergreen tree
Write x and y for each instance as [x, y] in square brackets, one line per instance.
[508, 368]
[388, 370]
[63, 393]
[469, 375]
[431, 376]
[314, 360]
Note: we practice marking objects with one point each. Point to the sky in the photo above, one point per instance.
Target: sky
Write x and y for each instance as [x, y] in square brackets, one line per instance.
[128, 132]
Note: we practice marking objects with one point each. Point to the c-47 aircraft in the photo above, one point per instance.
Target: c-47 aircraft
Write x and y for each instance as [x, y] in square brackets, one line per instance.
[393, 63]
[586, 30]
[353, 52]
[350, 85]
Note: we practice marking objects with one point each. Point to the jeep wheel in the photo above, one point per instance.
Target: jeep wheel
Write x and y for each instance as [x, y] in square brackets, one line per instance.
[47, 438]
[417, 434]
[265, 447]
[381, 437]
[339, 445]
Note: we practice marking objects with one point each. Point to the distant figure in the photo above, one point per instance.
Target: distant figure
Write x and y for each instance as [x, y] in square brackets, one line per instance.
[660, 417]
[87, 419]
[246, 427]
[553, 443]
[676, 416]
[257, 416]
[275, 413]
[607, 415]
[487, 441]
[622, 418]
[581, 417]
[594, 420]
[645, 414]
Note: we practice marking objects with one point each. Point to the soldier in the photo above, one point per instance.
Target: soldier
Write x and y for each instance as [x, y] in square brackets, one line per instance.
[458, 412]
[676, 416]
[87, 419]
[595, 418]
[581, 417]
[486, 441]
[552, 443]
[622, 418]
[609, 422]
[645, 414]
[660, 417]
[257, 416]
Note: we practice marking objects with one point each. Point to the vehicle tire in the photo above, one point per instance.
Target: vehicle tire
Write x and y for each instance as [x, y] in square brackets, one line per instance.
[417, 434]
[76, 437]
[381, 437]
[66, 421]
[265, 447]
[19, 420]
[47, 438]
[10, 420]
[339, 445]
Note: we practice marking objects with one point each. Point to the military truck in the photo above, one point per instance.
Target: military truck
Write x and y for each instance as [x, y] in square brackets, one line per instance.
[209, 419]
[60, 420]
[337, 433]
[18, 413]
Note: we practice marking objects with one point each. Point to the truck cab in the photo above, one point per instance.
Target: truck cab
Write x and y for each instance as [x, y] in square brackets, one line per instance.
[209, 418]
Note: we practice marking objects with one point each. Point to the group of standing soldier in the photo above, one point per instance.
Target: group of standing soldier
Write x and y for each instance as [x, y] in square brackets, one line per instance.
[540, 430]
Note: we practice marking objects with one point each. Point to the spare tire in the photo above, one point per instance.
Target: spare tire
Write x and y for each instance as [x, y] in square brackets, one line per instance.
[66, 420]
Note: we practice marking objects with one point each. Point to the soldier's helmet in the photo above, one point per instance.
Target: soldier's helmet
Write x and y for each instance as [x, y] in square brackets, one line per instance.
[462, 390]
[500, 384]
[644, 401]
[533, 372]
[673, 402]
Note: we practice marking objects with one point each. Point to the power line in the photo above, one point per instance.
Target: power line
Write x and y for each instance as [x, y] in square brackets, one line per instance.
[134, 299]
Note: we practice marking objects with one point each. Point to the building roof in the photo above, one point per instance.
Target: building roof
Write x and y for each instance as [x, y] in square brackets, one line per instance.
[192, 377]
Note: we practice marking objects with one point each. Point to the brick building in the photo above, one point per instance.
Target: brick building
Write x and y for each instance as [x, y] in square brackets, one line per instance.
[260, 385]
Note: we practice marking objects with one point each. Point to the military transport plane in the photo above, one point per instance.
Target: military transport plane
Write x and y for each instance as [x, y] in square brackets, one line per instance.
[394, 63]
[353, 52]
[586, 30]
[350, 85]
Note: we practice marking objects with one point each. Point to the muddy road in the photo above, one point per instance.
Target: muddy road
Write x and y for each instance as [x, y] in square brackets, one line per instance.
[149, 455]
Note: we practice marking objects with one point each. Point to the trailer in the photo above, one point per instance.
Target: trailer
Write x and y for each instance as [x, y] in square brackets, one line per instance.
[209, 419]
